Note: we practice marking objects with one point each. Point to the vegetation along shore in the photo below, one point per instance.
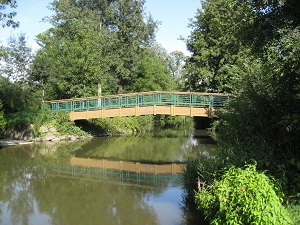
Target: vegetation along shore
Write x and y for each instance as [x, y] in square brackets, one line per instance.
[248, 50]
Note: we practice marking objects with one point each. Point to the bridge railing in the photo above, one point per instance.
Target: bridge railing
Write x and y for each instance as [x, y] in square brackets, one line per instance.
[195, 99]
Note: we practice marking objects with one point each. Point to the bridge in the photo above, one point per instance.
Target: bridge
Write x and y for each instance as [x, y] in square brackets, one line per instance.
[139, 104]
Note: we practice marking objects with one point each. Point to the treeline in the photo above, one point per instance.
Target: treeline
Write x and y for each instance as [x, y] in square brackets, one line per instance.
[93, 48]
[250, 49]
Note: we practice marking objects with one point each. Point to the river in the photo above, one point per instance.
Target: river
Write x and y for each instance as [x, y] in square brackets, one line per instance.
[109, 180]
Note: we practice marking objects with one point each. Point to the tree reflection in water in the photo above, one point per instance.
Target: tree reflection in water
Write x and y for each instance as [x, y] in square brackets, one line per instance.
[30, 194]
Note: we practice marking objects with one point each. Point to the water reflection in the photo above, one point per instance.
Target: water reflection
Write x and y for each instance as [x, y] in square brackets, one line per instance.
[40, 185]
[115, 176]
[162, 148]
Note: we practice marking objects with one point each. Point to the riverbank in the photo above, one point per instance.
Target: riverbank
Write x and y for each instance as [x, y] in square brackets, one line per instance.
[9, 142]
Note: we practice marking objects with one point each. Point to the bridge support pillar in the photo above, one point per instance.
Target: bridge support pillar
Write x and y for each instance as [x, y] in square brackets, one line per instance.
[172, 110]
[137, 111]
[154, 109]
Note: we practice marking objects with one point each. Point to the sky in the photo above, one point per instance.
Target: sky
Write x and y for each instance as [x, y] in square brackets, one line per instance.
[174, 16]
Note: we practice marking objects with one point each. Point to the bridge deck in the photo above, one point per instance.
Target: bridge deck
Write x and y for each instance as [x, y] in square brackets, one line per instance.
[138, 104]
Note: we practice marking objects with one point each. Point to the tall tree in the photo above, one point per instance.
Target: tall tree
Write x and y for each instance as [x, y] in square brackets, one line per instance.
[154, 73]
[176, 62]
[72, 59]
[214, 44]
[17, 59]
[133, 33]
[270, 17]
[15, 93]
[262, 123]
[92, 43]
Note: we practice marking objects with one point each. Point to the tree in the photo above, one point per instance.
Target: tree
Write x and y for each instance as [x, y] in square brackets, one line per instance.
[154, 74]
[17, 59]
[133, 32]
[17, 97]
[72, 57]
[215, 46]
[6, 19]
[176, 63]
[262, 122]
[15, 93]
[92, 44]
[270, 17]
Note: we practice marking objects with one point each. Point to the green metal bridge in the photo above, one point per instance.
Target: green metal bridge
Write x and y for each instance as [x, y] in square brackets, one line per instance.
[138, 104]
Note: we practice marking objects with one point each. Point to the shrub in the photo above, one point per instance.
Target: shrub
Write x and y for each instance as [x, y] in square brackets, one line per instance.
[65, 126]
[243, 196]
[173, 122]
[21, 120]
[2, 119]
[123, 125]
[206, 168]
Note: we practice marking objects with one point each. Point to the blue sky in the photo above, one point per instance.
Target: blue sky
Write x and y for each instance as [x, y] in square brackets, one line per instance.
[174, 16]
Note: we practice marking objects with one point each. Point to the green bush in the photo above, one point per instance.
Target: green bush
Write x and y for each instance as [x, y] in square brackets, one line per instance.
[124, 125]
[20, 120]
[60, 121]
[2, 119]
[173, 122]
[205, 168]
[65, 126]
[294, 210]
[243, 196]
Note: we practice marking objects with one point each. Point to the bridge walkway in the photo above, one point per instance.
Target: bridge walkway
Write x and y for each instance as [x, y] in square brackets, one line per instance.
[139, 104]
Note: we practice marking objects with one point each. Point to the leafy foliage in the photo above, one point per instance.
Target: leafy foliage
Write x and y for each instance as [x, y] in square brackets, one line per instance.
[65, 126]
[206, 168]
[7, 19]
[17, 59]
[21, 120]
[124, 125]
[251, 51]
[243, 196]
[68, 64]
[16, 93]
[294, 211]
[262, 120]
[17, 97]
[215, 45]
[173, 122]
[90, 44]
[270, 17]
[2, 119]
[153, 73]
[262, 123]
[176, 62]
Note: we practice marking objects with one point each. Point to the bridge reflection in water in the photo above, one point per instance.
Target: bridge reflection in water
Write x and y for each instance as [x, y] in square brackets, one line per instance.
[133, 173]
